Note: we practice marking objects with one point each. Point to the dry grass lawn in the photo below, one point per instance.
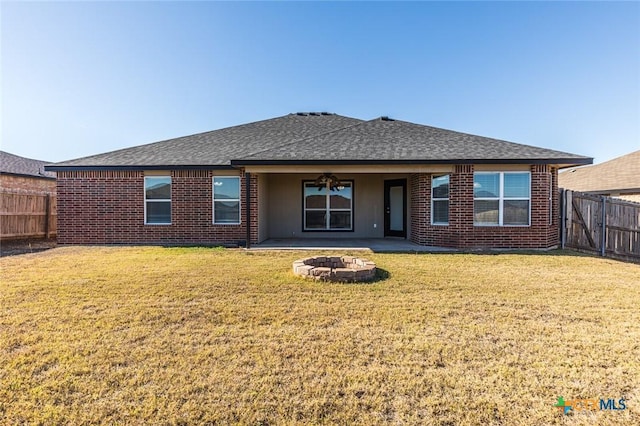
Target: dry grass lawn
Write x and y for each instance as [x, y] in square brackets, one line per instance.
[141, 335]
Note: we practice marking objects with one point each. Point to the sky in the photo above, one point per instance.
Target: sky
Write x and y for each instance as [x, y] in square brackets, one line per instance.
[82, 78]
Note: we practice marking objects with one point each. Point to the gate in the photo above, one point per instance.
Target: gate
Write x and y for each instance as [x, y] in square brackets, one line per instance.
[604, 225]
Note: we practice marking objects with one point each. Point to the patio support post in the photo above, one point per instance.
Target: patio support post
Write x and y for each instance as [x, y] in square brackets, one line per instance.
[247, 200]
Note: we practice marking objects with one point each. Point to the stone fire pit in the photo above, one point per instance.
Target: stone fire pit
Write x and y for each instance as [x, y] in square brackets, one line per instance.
[334, 268]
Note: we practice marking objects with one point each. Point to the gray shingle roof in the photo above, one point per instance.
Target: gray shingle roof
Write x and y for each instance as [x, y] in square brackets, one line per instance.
[219, 147]
[324, 138]
[395, 140]
[16, 165]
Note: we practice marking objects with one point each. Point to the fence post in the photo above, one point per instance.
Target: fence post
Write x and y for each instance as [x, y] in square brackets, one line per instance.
[604, 226]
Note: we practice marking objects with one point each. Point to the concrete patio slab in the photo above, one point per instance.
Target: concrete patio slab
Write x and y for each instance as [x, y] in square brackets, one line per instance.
[381, 245]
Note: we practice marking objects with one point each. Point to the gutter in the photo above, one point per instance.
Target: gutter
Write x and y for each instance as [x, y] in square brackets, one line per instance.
[565, 162]
[62, 168]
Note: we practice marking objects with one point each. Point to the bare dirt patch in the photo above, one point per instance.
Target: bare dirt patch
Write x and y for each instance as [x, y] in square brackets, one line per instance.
[32, 245]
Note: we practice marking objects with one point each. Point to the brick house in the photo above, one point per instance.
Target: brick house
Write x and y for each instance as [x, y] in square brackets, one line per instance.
[316, 175]
[618, 178]
[20, 174]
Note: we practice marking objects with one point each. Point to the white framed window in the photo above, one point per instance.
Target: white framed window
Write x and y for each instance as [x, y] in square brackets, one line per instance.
[326, 209]
[440, 200]
[502, 198]
[226, 200]
[157, 200]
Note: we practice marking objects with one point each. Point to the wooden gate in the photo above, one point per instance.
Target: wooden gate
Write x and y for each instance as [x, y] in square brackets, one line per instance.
[605, 225]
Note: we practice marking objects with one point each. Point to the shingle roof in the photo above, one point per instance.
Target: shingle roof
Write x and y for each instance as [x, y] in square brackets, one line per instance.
[16, 165]
[395, 140]
[324, 138]
[620, 174]
[219, 147]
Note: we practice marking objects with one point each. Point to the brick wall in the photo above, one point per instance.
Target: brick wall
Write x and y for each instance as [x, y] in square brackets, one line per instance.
[27, 184]
[462, 233]
[107, 207]
[420, 203]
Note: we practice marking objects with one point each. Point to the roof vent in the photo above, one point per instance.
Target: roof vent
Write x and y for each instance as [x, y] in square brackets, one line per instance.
[385, 118]
[313, 114]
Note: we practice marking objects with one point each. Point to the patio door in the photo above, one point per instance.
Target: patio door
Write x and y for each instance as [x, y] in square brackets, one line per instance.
[395, 208]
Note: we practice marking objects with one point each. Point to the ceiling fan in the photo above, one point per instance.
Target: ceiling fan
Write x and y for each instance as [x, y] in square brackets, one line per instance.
[328, 179]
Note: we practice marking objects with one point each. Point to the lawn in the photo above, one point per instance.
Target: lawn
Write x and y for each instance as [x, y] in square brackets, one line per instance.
[197, 335]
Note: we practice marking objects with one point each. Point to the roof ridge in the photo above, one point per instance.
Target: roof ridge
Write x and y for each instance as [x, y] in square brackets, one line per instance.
[616, 159]
[309, 137]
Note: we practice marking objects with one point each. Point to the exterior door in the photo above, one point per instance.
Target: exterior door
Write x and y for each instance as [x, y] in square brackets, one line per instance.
[395, 208]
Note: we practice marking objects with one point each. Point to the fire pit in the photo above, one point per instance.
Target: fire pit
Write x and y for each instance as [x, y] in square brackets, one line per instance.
[334, 268]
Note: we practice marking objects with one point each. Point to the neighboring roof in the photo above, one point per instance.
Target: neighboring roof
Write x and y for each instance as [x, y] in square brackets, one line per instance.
[305, 138]
[16, 165]
[620, 175]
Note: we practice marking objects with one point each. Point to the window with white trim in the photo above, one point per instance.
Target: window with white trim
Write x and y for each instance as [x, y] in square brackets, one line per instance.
[157, 200]
[326, 209]
[440, 200]
[501, 198]
[226, 200]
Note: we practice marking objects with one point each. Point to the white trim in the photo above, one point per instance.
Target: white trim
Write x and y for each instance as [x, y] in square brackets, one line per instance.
[327, 209]
[501, 199]
[213, 200]
[439, 199]
[158, 200]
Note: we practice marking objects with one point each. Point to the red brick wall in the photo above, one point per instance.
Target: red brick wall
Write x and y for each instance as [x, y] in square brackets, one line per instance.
[27, 184]
[420, 201]
[461, 232]
[107, 207]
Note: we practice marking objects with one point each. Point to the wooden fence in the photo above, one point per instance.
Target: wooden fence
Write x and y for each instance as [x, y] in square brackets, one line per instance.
[605, 225]
[27, 215]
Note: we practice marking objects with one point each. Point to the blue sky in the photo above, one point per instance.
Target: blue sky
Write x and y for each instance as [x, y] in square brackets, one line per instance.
[85, 78]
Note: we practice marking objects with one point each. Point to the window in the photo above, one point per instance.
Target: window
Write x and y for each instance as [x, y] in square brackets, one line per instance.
[226, 200]
[328, 209]
[157, 200]
[501, 198]
[440, 200]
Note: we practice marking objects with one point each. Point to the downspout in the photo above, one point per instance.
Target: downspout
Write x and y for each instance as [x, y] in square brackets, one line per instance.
[247, 195]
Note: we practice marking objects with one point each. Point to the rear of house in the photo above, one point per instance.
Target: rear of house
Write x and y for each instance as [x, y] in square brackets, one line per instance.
[316, 175]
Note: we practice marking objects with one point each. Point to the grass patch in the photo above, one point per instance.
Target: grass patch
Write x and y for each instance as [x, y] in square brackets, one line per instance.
[199, 335]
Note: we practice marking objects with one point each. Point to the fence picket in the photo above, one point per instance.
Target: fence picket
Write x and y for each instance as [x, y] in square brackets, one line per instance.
[27, 215]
